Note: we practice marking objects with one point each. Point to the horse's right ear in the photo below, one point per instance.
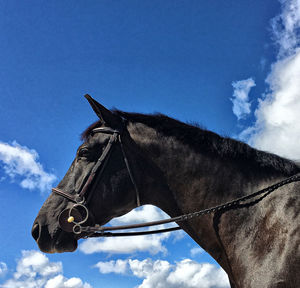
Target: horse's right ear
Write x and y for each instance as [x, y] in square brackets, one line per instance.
[105, 115]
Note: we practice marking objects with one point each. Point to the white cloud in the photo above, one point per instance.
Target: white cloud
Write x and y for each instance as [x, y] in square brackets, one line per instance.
[241, 105]
[277, 126]
[178, 236]
[125, 245]
[160, 273]
[128, 245]
[3, 269]
[285, 28]
[33, 263]
[145, 213]
[119, 266]
[34, 270]
[60, 281]
[19, 161]
[189, 273]
[196, 251]
[154, 273]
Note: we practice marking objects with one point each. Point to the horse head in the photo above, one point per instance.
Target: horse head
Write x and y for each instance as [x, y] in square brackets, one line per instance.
[98, 186]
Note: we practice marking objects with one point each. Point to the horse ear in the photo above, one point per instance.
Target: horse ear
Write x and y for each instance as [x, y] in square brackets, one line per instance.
[105, 115]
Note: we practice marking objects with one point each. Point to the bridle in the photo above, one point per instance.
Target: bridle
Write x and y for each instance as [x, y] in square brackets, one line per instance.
[72, 219]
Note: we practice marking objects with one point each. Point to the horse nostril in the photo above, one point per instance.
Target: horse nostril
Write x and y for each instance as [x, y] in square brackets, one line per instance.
[35, 232]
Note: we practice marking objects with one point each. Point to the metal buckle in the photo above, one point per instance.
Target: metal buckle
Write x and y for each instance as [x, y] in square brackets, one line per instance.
[78, 199]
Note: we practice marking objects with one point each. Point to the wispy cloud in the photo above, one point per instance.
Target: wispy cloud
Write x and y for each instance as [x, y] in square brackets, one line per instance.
[3, 269]
[196, 251]
[128, 245]
[160, 273]
[277, 126]
[285, 28]
[35, 270]
[240, 99]
[21, 164]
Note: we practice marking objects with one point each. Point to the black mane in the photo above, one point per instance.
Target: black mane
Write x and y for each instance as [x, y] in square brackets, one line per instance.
[204, 141]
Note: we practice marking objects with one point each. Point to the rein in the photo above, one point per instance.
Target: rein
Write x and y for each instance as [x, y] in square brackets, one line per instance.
[98, 231]
[71, 219]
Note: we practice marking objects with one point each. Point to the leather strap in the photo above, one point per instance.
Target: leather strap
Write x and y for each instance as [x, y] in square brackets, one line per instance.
[64, 194]
[103, 159]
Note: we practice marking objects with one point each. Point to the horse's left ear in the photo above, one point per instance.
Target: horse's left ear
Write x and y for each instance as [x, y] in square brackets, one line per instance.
[106, 116]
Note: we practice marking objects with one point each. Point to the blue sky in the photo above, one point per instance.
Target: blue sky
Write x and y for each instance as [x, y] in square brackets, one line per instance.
[232, 66]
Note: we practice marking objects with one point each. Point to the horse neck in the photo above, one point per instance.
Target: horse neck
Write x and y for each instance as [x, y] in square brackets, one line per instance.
[198, 181]
[206, 179]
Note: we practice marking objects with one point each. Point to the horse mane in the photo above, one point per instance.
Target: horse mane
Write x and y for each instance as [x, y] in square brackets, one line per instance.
[205, 141]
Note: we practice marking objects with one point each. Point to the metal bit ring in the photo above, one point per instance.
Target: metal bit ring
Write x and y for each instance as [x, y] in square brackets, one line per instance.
[86, 212]
[77, 229]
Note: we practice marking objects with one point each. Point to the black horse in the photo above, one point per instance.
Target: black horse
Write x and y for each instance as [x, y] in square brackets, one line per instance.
[130, 159]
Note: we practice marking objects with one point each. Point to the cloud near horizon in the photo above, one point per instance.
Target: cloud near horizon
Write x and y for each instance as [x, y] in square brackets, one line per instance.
[21, 164]
[35, 270]
[160, 273]
[277, 125]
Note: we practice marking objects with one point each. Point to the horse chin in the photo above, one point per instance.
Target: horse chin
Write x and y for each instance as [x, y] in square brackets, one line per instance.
[64, 242]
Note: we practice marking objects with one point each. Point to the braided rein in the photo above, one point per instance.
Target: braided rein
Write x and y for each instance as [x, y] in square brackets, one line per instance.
[102, 231]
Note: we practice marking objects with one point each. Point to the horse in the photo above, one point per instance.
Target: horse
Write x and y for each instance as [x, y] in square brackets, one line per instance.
[131, 159]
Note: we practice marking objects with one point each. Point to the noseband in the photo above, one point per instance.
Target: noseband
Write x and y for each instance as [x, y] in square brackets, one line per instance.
[71, 219]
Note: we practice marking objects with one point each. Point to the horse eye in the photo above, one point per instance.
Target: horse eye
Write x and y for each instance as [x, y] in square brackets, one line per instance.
[83, 152]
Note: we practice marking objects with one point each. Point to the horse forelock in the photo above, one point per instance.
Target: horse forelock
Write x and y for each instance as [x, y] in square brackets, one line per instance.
[87, 132]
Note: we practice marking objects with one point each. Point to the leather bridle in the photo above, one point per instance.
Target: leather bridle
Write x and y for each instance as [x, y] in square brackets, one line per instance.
[71, 219]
